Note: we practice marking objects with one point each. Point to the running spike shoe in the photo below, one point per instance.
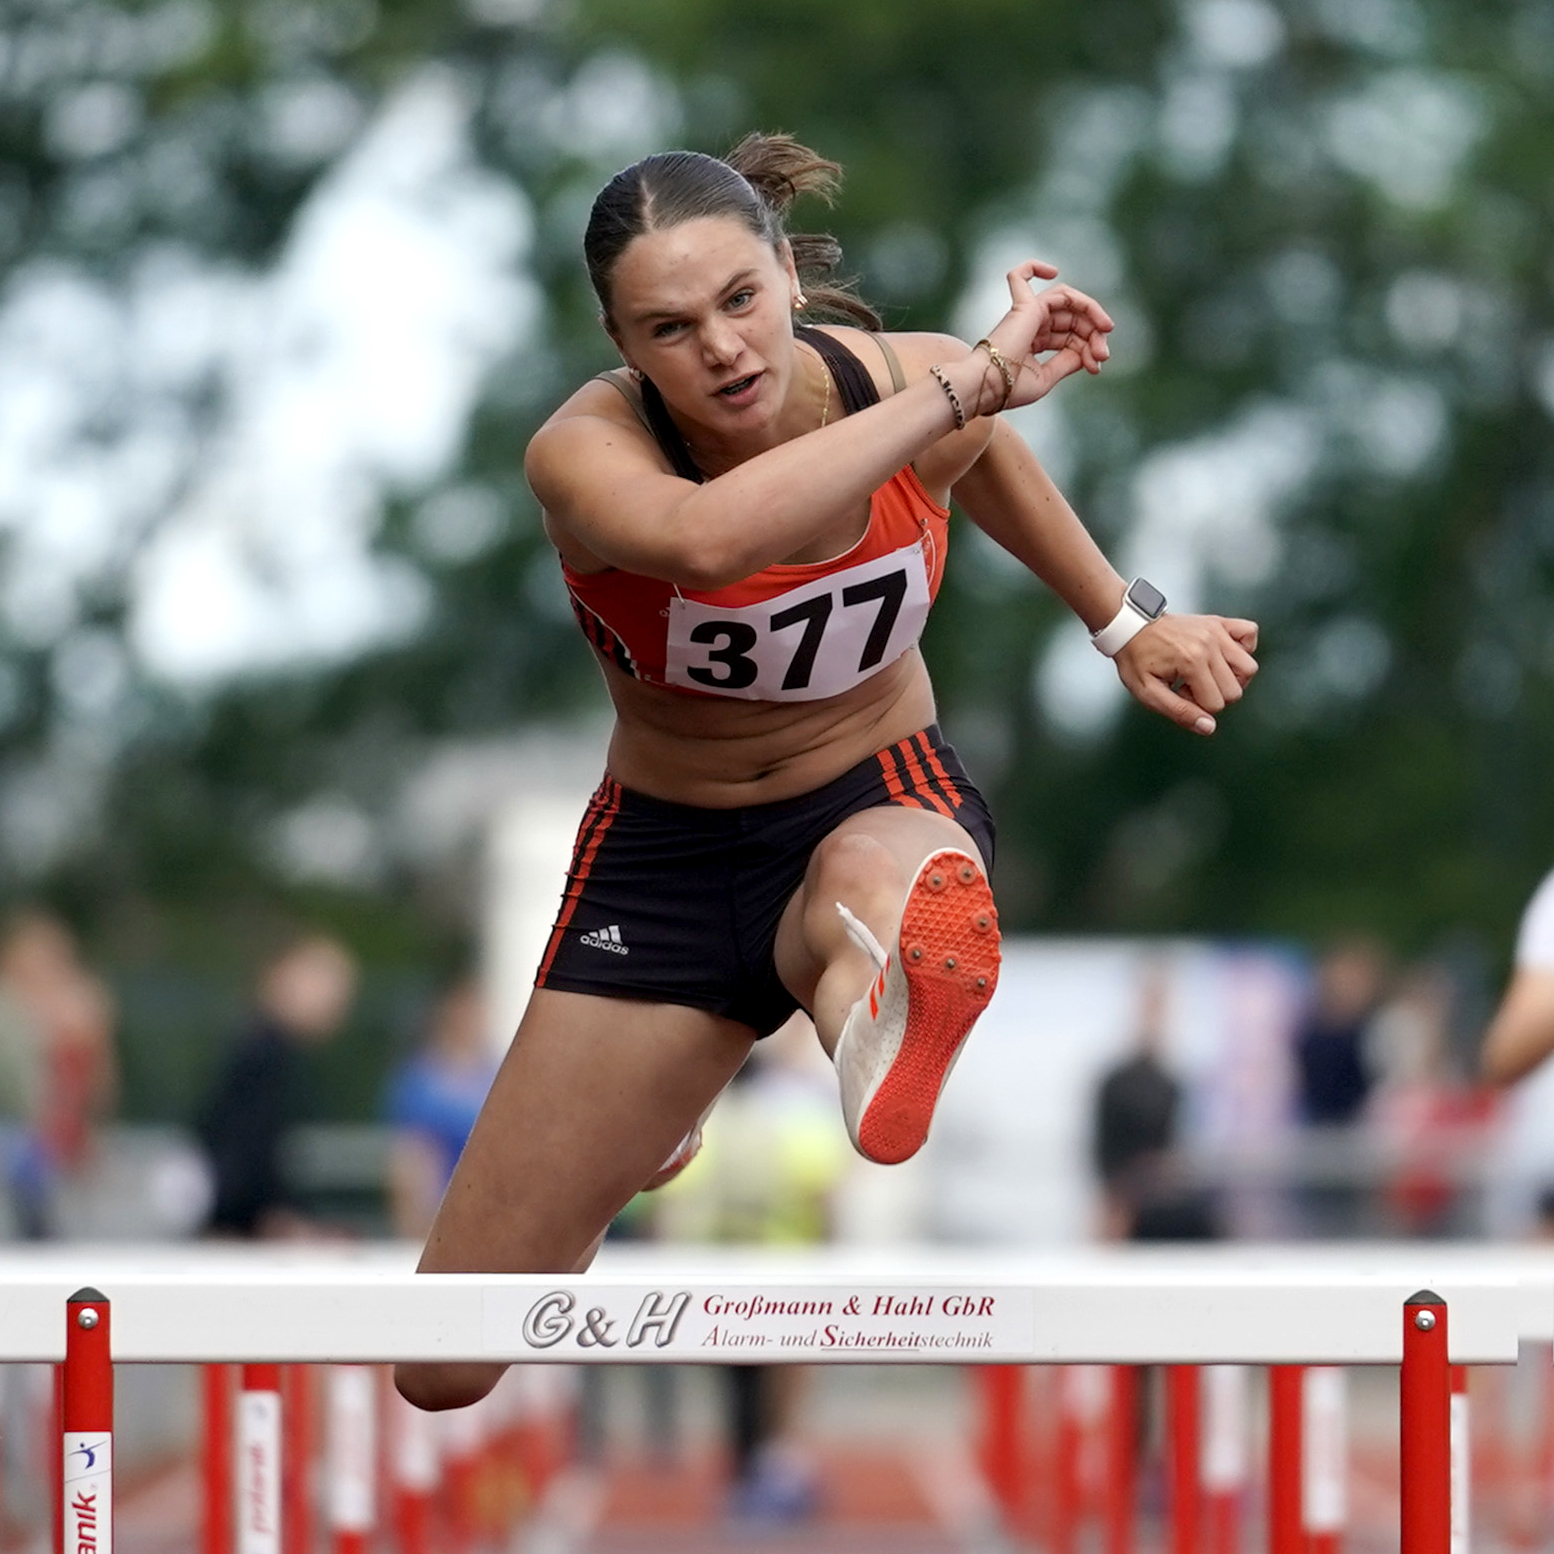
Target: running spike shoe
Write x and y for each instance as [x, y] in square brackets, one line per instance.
[901, 1039]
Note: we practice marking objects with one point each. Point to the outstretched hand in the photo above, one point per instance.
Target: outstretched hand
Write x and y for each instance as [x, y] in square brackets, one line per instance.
[1190, 667]
[1058, 320]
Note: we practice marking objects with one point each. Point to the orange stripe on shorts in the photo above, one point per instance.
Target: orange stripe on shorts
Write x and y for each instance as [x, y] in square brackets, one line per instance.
[893, 783]
[602, 809]
[931, 759]
[919, 778]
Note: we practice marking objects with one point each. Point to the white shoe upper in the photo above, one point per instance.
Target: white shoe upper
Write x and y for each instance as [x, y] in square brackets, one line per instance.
[874, 1029]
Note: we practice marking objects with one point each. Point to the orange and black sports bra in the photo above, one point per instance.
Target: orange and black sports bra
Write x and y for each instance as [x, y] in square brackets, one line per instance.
[790, 632]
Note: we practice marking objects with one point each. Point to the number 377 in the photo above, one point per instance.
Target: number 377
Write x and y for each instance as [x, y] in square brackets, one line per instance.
[731, 643]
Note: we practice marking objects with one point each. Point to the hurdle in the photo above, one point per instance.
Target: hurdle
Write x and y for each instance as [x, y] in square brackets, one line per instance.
[1423, 1309]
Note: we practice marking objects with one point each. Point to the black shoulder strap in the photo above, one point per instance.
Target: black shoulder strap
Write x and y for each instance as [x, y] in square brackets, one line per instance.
[852, 378]
[667, 435]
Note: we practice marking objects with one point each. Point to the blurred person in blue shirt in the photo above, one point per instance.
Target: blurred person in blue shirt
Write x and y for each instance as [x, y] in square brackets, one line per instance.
[433, 1100]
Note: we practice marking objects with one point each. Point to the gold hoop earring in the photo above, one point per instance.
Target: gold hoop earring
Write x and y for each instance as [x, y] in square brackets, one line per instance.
[800, 301]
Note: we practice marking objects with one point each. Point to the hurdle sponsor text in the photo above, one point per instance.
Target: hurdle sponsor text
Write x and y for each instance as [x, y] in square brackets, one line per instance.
[582, 1321]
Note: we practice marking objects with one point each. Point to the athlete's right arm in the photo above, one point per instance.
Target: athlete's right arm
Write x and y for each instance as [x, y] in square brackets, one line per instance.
[602, 483]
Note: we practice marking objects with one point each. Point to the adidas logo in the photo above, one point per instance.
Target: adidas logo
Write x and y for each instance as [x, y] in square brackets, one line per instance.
[605, 939]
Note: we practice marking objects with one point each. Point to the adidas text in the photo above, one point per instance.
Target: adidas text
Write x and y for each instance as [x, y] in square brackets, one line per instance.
[605, 939]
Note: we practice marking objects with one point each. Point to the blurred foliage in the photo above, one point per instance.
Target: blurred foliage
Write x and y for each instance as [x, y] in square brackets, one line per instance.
[1326, 228]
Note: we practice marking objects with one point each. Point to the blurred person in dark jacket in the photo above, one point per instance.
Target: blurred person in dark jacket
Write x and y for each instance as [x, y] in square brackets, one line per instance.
[1335, 1069]
[301, 999]
[1147, 1194]
[1332, 1064]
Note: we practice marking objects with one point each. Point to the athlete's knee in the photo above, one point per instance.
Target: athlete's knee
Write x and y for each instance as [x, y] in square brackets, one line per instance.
[850, 865]
[436, 1387]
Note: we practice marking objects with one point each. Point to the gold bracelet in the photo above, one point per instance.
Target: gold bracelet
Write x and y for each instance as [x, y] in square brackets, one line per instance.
[1000, 361]
[954, 398]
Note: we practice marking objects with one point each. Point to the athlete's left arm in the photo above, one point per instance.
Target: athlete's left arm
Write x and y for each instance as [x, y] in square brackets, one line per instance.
[1185, 667]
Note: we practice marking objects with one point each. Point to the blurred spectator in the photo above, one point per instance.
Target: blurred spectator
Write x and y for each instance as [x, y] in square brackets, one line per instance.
[1428, 1118]
[1146, 1190]
[302, 997]
[1334, 1079]
[58, 1067]
[433, 1100]
[1331, 1042]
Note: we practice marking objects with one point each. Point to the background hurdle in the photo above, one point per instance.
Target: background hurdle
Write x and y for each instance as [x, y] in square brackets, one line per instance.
[1182, 1309]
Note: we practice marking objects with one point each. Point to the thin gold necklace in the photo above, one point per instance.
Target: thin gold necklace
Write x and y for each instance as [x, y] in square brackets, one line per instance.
[825, 409]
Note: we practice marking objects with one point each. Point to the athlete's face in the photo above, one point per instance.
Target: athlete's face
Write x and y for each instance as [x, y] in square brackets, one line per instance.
[705, 310]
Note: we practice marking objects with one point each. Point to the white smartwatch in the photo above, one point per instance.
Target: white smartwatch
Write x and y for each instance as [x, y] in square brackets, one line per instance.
[1141, 604]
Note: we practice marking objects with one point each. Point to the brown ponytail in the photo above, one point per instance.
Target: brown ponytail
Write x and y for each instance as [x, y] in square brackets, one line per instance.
[758, 183]
[780, 169]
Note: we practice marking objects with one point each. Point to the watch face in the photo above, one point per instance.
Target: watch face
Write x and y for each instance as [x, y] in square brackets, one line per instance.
[1146, 598]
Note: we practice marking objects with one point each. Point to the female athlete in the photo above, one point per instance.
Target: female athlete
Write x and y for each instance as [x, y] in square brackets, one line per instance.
[751, 517]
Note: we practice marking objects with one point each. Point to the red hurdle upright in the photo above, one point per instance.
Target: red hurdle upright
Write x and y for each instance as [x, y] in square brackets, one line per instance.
[1286, 1471]
[296, 1459]
[1122, 1460]
[1425, 1427]
[1002, 1447]
[1185, 1410]
[216, 1383]
[86, 1418]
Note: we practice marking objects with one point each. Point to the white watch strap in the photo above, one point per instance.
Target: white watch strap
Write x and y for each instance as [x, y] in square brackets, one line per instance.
[1120, 630]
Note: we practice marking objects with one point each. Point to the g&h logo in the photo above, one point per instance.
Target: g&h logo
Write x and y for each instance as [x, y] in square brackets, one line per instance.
[551, 1321]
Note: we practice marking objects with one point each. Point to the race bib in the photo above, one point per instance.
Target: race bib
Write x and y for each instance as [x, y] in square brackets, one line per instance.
[813, 641]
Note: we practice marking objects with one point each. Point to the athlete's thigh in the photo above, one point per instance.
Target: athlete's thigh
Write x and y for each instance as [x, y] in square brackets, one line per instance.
[867, 863]
[592, 1097]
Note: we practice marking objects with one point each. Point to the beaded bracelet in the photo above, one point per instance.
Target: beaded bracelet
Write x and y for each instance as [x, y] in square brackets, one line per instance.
[1000, 361]
[954, 398]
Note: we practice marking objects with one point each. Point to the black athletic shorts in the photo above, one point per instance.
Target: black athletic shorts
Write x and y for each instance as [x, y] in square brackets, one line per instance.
[680, 905]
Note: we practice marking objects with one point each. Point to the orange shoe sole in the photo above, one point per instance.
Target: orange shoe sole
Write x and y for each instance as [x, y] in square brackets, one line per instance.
[949, 955]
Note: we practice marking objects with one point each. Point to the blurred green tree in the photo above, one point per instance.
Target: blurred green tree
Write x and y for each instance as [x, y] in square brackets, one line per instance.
[1323, 227]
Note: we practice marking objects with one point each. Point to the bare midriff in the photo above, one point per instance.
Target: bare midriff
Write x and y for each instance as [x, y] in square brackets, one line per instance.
[720, 752]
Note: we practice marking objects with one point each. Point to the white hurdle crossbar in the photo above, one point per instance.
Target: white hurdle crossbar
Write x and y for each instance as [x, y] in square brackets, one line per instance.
[678, 1305]
[1423, 1307]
